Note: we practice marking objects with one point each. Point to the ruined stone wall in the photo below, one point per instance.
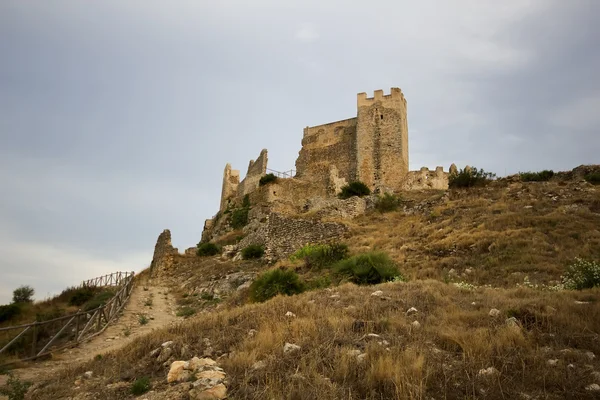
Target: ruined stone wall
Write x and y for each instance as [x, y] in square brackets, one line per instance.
[164, 253]
[231, 180]
[256, 170]
[288, 195]
[282, 235]
[426, 179]
[382, 140]
[327, 146]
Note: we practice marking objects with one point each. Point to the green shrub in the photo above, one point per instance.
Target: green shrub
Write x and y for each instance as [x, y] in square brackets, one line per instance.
[321, 255]
[253, 251]
[388, 202]
[142, 319]
[470, 178]
[81, 295]
[239, 217]
[274, 282]
[208, 249]
[246, 201]
[141, 386]
[369, 268]
[186, 312]
[268, 178]
[582, 274]
[14, 389]
[9, 311]
[99, 300]
[356, 188]
[541, 176]
[593, 178]
[23, 294]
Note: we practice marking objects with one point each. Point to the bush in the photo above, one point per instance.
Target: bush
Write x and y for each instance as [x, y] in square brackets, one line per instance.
[274, 282]
[321, 255]
[99, 300]
[23, 294]
[369, 268]
[541, 176]
[268, 178]
[15, 389]
[582, 274]
[388, 202]
[141, 386]
[246, 201]
[81, 296]
[239, 217]
[356, 188]
[253, 251]
[208, 249]
[593, 178]
[469, 178]
[9, 311]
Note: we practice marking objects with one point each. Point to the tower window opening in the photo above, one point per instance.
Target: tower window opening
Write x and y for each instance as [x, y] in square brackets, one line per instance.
[381, 116]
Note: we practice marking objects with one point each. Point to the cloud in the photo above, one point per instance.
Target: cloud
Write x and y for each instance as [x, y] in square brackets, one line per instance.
[581, 114]
[307, 33]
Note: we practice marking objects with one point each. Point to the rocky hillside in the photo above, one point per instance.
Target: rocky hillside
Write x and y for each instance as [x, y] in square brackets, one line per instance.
[481, 313]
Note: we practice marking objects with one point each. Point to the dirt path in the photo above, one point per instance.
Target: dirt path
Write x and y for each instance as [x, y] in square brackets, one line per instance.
[149, 307]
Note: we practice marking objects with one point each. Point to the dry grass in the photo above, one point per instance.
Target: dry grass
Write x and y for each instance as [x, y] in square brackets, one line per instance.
[441, 359]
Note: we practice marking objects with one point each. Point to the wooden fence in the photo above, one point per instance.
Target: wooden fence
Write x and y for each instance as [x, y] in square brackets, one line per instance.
[43, 337]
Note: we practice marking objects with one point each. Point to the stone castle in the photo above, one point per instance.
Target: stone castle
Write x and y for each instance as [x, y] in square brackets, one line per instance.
[371, 147]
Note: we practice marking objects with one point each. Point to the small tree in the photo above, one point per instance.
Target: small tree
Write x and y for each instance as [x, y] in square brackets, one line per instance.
[268, 178]
[470, 177]
[356, 188]
[23, 294]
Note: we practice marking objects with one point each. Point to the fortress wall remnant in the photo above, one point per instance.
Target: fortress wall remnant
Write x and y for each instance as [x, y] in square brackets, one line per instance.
[163, 252]
[231, 180]
[326, 146]
[256, 170]
[382, 140]
[426, 179]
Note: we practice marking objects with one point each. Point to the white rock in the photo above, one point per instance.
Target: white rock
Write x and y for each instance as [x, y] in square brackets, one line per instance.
[361, 357]
[217, 392]
[334, 296]
[572, 366]
[512, 322]
[291, 348]
[488, 371]
[354, 353]
[290, 314]
[494, 312]
[373, 336]
[590, 355]
[473, 304]
[155, 352]
[198, 364]
[177, 372]
[411, 311]
[552, 363]
[167, 344]
[88, 374]
[259, 365]
[594, 387]
[416, 324]
[377, 293]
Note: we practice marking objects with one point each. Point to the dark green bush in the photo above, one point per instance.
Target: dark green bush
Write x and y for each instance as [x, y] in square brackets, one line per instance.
[541, 176]
[369, 268]
[9, 311]
[470, 178]
[99, 300]
[81, 295]
[268, 178]
[321, 255]
[23, 294]
[356, 188]
[246, 201]
[239, 217]
[593, 178]
[388, 202]
[141, 386]
[274, 282]
[208, 249]
[186, 312]
[15, 389]
[253, 251]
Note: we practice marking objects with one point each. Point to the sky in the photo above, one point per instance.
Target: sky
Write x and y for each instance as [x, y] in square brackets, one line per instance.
[117, 117]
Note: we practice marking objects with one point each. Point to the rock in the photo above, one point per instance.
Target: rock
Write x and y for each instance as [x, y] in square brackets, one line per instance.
[594, 387]
[372, 336]
[494, 312]
[590, 355]
[155, 352]
[416, 324]
[512, 322]
[218, 392]
[198, 364]
[596, 376]
[209, 379]
[252, 333]
[290, 314]
[167, 344]
[259, 365]
[411, 311]
[488, 371]
[581, 302]
[88, 374]
[185, 351]
[177, 372]
[208, 352]
[552, 363]
[334, 296]
[361, 357]
[165, 354]
[468, 271]
[291, 348]
[377, 293]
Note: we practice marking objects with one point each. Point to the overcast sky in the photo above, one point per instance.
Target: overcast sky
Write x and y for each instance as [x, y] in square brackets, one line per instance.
[117, 117]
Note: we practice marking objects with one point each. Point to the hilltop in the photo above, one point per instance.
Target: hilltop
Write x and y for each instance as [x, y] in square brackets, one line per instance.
[479, 311]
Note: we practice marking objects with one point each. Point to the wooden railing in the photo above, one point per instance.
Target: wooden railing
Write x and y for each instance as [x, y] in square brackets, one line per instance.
[37, 339]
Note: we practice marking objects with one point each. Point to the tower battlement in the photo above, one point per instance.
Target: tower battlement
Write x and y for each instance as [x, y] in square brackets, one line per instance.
[394, 96]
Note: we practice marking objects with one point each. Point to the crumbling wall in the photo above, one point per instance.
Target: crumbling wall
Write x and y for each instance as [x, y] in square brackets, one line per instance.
[426, 179]
[328, 145]
[256, 170]
[231, 180]
[282, 235]
[164, 253]
[382, 140]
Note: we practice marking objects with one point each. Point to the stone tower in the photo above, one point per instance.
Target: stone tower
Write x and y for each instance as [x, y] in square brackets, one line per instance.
[382, 140]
